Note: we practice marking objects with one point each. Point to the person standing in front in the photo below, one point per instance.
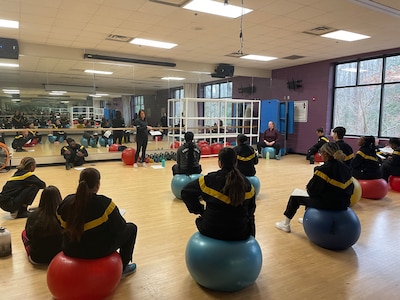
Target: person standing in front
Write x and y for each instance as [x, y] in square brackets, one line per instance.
[270, 139]
[142, 137]
[93, 226]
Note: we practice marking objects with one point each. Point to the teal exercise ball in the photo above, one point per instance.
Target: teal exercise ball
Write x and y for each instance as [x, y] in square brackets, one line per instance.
[220, 265]
[179, 181]
[255, 182]
[84, 142]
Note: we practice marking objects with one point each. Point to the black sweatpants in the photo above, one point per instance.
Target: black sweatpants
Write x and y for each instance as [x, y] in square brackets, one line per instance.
[141, 145]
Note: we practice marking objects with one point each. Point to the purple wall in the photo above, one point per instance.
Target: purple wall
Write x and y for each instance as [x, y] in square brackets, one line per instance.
[317, 82]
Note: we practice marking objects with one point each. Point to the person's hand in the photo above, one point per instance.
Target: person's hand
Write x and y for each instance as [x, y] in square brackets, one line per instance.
[67, 152]
[79, 153]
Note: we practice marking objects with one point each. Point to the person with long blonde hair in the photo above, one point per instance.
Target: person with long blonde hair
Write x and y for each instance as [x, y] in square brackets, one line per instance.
[21, 189]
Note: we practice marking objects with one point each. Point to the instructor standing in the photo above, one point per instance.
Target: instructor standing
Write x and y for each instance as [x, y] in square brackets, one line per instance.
[142, 137]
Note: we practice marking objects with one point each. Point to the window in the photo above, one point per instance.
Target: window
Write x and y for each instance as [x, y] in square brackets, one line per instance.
[139, 103]
[215, 110]
[366, 97]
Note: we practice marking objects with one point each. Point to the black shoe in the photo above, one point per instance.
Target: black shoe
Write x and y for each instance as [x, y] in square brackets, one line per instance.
[22, 213]
[312, 161]
[67, 166]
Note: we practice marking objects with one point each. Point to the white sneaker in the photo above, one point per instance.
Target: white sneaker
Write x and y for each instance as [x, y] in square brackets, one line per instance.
[300, 220]
[282, 226]
[135, 165]
[144, 164]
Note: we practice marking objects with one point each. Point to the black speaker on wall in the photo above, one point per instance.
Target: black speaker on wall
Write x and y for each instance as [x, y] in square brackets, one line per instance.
[223, 70]
[9, 48]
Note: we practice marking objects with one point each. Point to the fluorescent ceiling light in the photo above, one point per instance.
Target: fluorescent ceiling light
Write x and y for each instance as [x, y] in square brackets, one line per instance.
[345, 36]
[9, 65]
[98, 95]
[15, 100]
[9, 23]
[217, 8]
[64, 102]
[151, 43]
[173, 78]
[57, 93]
[258, 57]
[98, 72]
[9, 91]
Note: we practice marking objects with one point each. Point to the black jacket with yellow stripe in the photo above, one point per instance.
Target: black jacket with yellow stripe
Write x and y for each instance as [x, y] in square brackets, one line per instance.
[346, 148]
[102, 228]
[331, 186]
[219, 219]
[246, 159]
[18, 182]
[365, 164]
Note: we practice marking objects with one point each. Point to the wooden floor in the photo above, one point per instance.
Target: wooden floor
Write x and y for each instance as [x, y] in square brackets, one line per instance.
[293, 267]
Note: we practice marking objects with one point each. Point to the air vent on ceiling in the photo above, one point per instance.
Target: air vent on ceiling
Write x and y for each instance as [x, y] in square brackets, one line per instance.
[118, 38]
[293, 57]
[320, 30]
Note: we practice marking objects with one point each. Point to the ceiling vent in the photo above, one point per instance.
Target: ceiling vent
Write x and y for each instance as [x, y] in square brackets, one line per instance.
[320, 30]
[387, 7]
[118, 38]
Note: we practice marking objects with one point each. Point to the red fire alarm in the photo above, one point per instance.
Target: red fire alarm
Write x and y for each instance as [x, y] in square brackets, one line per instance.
[313, 99]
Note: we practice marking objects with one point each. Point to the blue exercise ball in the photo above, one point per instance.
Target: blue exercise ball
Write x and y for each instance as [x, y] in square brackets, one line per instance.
[255, 182]
[84, 142]
[223, 265]
[332, 229]
[179, 181]
[52, 138]
[61, 139]
[269, 150]
[93, 143]
[102, 142]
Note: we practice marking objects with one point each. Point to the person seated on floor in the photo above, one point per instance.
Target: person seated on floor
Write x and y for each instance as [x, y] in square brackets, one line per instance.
[20, 140]
[230, 201]
[330, 188]
[247, 157]
[74, 154]
[365, 164]
[42, 236]
[21, 189]
[338, 135]
[59, 134]
[187, 157]
[270, 139]
[91, 136]
[33, 135]
[391, 165]
[322, 139]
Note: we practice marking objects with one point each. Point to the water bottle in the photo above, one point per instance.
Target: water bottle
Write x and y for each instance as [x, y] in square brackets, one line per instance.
[5, 242]
[163, 163]
[267, 154]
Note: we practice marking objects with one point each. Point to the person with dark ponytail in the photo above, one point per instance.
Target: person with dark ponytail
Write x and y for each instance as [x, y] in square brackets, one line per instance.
[365, 164]
[93, 226]
[246, 156]
[330, 188]
[21, 189]
[187, 157]
[230, 201]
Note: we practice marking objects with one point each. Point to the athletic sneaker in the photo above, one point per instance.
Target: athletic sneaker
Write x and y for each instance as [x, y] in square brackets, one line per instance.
[129, 269]
[144, 164]
[282, 226]
[300, 220]
[278, 157]
[135, 165]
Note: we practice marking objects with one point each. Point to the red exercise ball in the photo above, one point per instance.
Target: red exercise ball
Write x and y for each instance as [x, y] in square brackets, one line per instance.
[75, 278]
[394, 182]
[175, 145]
[373, 188]
[128, 156]
[202, 143]
[215, 147]
[206, 150]
[113, 148]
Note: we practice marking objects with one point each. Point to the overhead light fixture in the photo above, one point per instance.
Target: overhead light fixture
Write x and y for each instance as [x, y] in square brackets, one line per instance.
[64, 101]
[173, 78]
[151, 43]
[98, 72]
[68, 88]
[258, 57]
[344, 35]
[15, 100]
[57, 93]
[10, 91]
[9, 65]
[129, 60]
[9, 23]
[217, 8]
